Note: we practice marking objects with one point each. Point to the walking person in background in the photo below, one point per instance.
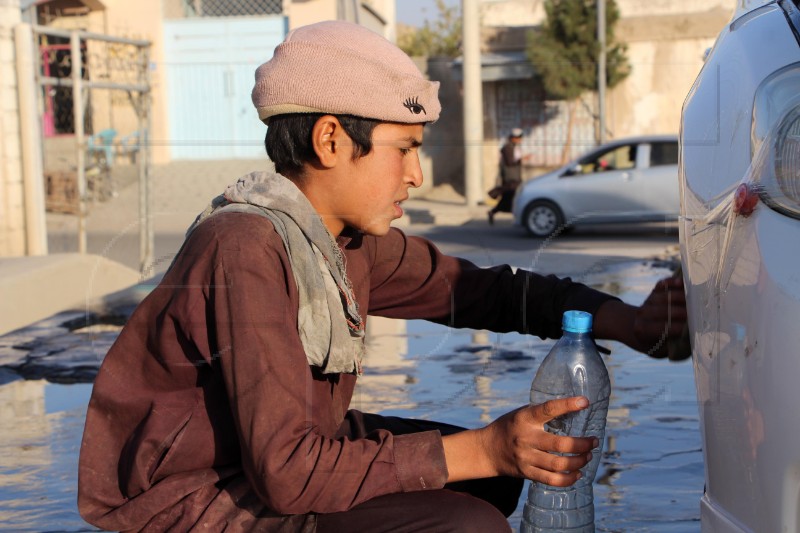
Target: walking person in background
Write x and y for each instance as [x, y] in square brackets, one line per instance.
[510, 173]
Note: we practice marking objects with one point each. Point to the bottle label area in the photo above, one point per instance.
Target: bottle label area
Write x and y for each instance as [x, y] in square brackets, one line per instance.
[551, 508]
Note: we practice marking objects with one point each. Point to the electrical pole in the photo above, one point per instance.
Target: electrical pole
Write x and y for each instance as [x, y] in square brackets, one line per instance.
[473, 102]
[601, 71]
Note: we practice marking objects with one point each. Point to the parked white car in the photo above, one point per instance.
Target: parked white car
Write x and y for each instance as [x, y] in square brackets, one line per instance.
[627, 180]
[740, 203]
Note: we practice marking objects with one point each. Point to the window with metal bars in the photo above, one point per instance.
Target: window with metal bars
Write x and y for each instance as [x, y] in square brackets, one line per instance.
[231, 8]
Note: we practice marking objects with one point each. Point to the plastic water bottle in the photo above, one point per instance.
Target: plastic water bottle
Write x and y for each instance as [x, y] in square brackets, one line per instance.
[572, 368]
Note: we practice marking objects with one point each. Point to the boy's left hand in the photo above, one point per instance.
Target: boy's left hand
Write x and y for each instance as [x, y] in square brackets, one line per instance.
[661, 320]
[655, 328]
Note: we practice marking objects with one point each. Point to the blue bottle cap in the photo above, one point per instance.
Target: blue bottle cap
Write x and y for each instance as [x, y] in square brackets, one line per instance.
[577, 321]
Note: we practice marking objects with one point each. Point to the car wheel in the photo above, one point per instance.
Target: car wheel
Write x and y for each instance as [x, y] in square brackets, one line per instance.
[543, 219]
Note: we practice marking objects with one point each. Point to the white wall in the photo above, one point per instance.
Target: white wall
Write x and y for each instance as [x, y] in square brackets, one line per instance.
[650, 8]
[650, 100]
[531, 12]
[665, 51]
[512, 12]
[665, 39]
[12, 214]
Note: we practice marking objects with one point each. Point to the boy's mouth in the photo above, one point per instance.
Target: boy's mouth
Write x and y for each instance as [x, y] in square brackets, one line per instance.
[398, 208]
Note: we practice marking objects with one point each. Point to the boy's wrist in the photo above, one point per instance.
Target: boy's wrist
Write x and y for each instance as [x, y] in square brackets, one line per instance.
[469, 455]
[615, 320]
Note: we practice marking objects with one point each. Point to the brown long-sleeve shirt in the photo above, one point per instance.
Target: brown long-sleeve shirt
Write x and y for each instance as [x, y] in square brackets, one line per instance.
[205, 410]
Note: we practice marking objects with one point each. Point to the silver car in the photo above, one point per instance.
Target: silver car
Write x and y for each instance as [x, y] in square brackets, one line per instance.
[740, 187]
[627, 180]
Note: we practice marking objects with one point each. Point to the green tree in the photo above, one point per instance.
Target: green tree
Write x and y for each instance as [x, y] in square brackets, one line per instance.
[440, 38]
[564, 53]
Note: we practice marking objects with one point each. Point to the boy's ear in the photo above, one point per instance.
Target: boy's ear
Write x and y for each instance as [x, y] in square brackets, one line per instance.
[328, 139]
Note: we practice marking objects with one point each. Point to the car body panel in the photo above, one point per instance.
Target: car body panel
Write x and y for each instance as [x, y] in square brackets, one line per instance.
[743, 290]
[638, 191]
[744, 7]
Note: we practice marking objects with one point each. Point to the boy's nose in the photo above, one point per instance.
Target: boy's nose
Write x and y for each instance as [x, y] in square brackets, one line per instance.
[414, 173]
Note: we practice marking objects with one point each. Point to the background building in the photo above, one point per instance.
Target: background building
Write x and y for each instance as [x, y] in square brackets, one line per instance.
[199, 70]
[196, 58]
[666, 42]
[202, 59]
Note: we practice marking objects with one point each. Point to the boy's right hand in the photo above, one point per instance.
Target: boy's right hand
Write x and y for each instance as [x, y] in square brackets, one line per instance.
[517, 445]
[521, 447]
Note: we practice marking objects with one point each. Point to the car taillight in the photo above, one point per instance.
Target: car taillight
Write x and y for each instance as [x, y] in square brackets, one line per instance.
[775, 137]
[787, 159]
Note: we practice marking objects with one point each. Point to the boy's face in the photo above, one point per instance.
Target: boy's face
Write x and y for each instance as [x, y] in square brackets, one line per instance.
[370, 190]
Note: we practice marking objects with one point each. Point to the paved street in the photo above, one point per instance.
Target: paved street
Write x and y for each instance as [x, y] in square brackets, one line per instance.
[580, 251]
[181, 190]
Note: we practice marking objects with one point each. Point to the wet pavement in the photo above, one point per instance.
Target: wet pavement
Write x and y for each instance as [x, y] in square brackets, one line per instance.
[41, 424]
[651, 475]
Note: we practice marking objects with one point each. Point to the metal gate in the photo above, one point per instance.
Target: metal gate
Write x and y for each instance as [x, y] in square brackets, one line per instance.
[523, 104]
[95, 102]
[209, 65]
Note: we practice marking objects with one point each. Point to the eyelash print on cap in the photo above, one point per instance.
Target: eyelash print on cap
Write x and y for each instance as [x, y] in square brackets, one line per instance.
[414, 106]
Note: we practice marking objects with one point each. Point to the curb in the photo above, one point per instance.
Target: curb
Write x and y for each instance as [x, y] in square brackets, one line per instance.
[424, 212]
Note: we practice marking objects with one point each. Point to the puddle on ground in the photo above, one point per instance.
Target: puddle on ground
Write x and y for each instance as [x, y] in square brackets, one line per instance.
[650, 479]
[41, 424]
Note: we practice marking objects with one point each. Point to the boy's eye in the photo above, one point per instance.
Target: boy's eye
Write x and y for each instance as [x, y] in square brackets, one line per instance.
[405, 151]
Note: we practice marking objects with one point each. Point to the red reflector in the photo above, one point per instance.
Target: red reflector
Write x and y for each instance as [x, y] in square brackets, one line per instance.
[745, 200]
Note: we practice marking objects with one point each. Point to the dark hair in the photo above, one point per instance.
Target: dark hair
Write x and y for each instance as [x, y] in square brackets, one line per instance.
[288, 140]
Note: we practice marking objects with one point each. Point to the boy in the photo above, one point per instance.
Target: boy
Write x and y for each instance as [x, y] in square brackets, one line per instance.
[224, 402]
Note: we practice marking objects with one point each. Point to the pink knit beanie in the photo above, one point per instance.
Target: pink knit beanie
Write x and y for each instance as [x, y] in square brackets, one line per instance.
[342, 68]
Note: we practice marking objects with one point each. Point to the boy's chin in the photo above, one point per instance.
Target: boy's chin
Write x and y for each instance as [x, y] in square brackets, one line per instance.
[377, 233]
[376, 229]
